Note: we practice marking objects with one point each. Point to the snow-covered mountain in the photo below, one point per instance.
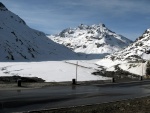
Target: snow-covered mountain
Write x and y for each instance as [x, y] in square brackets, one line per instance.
[94, 39]
[135, 52]
[19, 42]
[133, 59]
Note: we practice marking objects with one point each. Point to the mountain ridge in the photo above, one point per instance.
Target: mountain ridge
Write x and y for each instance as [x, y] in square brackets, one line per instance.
[136, 52]
[20, 42]
[94, 39]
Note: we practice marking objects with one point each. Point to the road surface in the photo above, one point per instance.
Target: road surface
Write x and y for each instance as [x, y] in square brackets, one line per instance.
[65, 96]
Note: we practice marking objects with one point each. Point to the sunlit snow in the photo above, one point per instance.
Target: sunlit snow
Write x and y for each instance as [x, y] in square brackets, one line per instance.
[51, 71]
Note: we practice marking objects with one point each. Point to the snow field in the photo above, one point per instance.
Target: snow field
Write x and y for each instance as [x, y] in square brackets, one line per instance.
[51, 71]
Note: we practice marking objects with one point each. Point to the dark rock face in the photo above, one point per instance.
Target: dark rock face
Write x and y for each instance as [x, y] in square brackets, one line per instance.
[2, 7]
[13, 79]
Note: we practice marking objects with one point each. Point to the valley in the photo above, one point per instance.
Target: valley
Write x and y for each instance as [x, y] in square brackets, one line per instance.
[77, 66]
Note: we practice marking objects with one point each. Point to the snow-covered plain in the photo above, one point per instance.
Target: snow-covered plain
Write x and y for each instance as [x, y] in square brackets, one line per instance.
[50, 71]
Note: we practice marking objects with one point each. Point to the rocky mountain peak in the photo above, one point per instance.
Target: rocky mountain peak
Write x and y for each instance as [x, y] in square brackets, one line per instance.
[2, 7]
[146, 34]
[94, 39]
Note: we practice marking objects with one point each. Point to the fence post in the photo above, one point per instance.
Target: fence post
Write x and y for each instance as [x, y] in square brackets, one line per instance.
[141, 78]
[113, 80]
[73, 81]
[19, 82]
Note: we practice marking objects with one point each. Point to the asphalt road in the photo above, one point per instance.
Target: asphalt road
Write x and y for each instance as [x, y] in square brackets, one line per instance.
[65, 96]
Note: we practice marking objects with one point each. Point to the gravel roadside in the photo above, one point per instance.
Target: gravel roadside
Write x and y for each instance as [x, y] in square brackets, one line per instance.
[138, 105]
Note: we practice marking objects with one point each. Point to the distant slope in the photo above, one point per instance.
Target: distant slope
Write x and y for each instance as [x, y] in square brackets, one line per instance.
[136, 52]
[95, 39]
[19, 42]
[133, 59]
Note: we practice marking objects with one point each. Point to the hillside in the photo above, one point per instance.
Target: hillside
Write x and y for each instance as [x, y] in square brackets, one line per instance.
[19, 42]
[135, 52]
[132, 59]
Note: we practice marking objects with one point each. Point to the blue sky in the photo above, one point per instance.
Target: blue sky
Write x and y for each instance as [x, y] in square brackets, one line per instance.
[129, 18]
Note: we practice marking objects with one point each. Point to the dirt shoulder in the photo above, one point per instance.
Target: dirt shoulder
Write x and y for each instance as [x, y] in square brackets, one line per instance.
[24, 85]
[138, 105]
[32, 85]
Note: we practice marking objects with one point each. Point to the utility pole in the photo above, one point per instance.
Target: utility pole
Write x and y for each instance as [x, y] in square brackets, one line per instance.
[142, 65]
[142, 68]
[141, 77]
[76, 70]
